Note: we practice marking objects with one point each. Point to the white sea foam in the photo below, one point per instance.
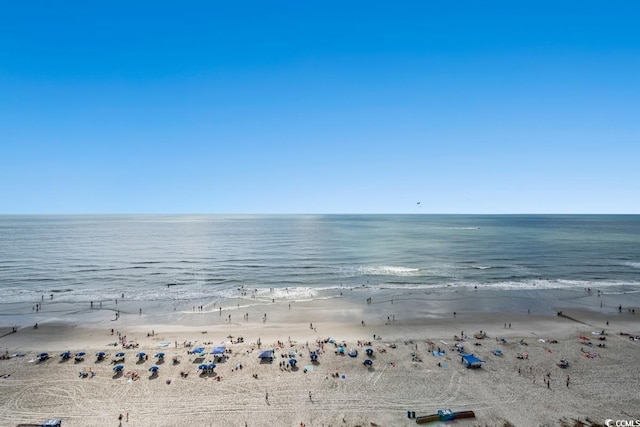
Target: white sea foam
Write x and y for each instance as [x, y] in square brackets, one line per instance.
[386, 270]
[632, 264]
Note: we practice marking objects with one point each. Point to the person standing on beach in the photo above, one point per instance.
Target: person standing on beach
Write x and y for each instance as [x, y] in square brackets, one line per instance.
[567, 381]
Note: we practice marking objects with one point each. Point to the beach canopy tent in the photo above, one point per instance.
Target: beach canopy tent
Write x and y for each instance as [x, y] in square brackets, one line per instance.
[368, 362]
[159, 355]
[118, 368]
[267, 354]
[198, 350]
[470, 361]
[218, 350]
[154, 369]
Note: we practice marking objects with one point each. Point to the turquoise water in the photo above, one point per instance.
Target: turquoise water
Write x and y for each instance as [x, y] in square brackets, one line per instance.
[183, 257]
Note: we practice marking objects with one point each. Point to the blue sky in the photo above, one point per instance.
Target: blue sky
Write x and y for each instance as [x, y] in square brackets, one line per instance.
[319, 107]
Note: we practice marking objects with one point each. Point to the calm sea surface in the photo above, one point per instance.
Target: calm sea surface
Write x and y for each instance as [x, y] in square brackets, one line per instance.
[183, 257]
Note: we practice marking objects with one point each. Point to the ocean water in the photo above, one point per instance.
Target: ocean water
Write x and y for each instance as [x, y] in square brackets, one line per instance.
[186, 259]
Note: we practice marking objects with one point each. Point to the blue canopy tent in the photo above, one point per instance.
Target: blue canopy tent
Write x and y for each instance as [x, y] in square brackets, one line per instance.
[118, 368]
[218, 350]
[471, 361]
[266, 355]
[198, 351]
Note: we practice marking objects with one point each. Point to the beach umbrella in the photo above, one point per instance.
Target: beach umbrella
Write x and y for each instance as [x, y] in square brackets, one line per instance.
[368, 362]
[159, 355]
[203, 367]
[154, 369]
[80, 354]
[369, 351]
[65, 355]
[121, 354]
[211, 366]
[141, 355]
[101, 354]
[353, 353]
[42, 356]
[314, 356]
[118, 368]
[292, 362]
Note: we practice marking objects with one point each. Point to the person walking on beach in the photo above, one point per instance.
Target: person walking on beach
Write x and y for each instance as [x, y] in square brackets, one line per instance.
[567, 381]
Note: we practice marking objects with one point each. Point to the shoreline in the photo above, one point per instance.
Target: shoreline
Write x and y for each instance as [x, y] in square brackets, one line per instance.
[505, 389]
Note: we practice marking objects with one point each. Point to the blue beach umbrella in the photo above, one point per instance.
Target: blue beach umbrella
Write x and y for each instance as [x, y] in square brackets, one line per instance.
[121, 354]
[154, 369]
[118, 368]
[42, 356]
[211, 366]
[65, 355]
[203, 367]
[369, 351]
[159, 355]
[141, 355]
[314, 356]
[101, 354]
[292, 362]
[368, 362]
[80, 354]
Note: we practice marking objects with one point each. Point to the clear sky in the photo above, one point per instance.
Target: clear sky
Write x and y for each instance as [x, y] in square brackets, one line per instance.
[319, 107]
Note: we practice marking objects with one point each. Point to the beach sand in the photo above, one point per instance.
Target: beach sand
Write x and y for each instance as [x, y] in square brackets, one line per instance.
[405, 376]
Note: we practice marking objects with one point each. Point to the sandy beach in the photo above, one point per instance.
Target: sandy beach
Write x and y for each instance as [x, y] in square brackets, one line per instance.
[338, 390]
